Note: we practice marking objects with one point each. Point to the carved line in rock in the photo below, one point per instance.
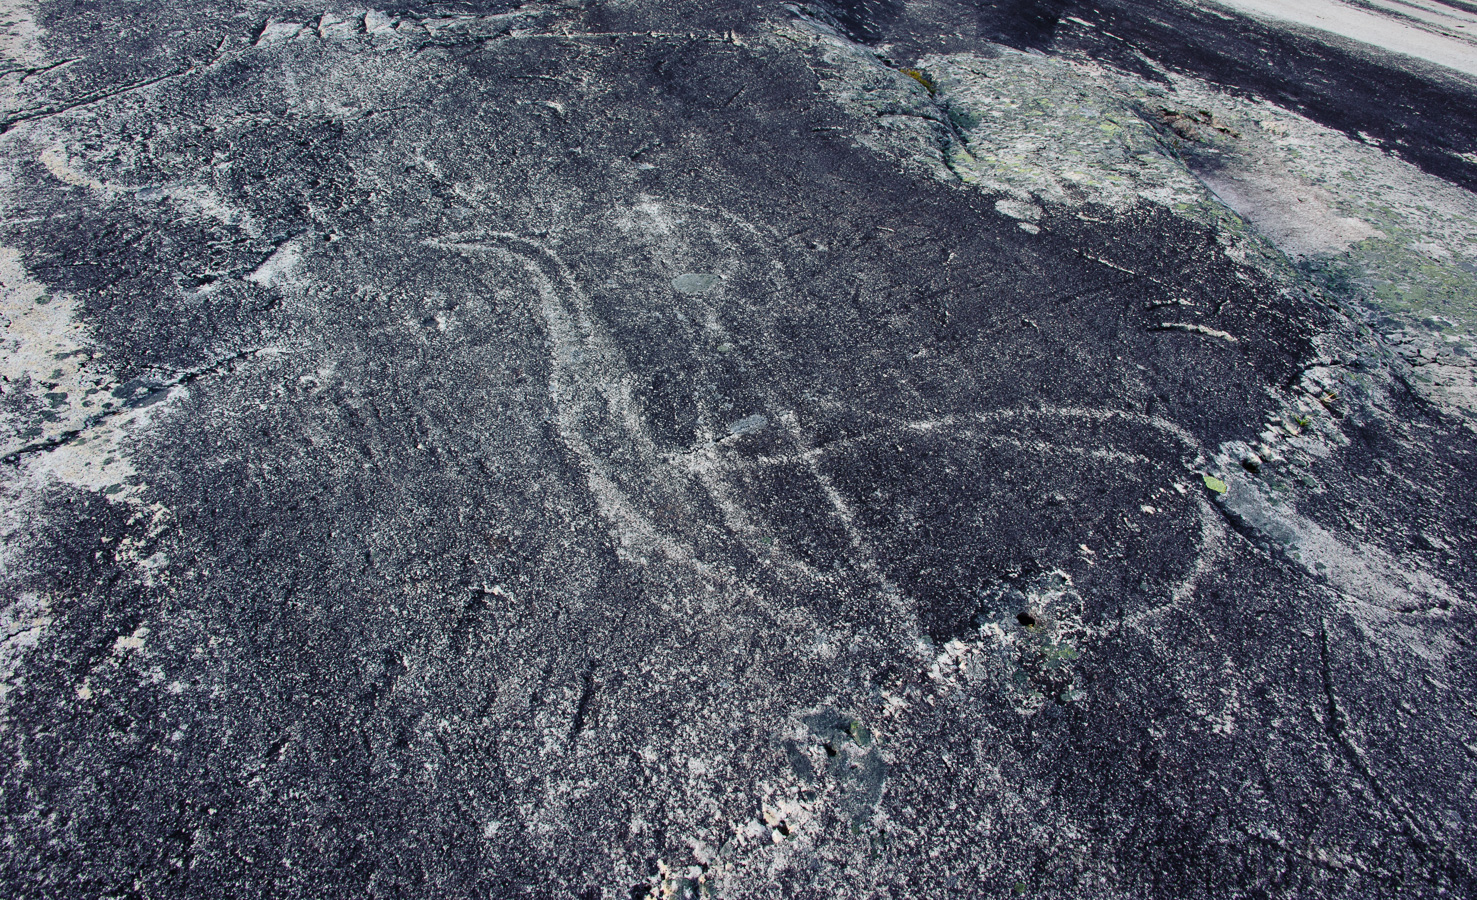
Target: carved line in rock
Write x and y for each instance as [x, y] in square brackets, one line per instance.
[590, 388]
[703, 463]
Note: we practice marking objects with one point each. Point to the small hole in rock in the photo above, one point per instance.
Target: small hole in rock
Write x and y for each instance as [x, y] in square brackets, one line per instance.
[830, 751]
[1025, 619]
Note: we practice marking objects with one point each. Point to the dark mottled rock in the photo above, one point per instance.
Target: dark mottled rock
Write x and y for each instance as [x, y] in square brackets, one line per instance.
[632, 450]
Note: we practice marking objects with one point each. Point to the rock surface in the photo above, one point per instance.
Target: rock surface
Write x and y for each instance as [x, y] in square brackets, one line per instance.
[715, 449]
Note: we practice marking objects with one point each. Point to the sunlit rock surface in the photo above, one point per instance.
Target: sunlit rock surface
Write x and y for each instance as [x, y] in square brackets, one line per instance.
[626, 449]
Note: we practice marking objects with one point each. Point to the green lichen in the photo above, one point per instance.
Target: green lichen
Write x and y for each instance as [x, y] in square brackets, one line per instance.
[922, 78]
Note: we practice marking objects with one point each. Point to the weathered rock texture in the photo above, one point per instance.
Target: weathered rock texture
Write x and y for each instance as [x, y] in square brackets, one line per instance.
[623, 449]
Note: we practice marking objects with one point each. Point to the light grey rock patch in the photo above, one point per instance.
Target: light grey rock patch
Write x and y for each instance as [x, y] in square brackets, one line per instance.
[749, 424]
[22, 623]
[20, 36]
[1361, 572]
[1036, 127]
[695, 282]
[1025, 212]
